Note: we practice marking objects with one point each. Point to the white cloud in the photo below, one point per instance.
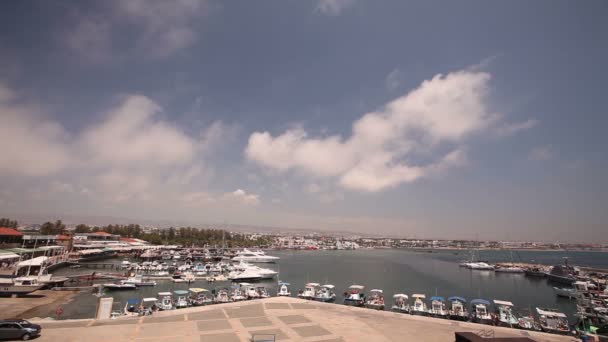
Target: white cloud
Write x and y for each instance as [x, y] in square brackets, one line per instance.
[513, 128]
[31, 145]
[333, 7]
[440, 113]
[240, 196]
[393, 80]
[541, 153]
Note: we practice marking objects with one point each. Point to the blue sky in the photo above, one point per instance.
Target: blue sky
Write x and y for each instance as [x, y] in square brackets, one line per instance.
[419, 118]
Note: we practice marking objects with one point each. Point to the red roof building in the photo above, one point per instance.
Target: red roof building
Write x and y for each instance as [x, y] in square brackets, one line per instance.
[4, 231]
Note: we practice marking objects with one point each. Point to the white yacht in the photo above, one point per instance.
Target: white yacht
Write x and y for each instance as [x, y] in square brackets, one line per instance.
[458, 310]
[480, 266]
[139, 281]
[266, 273]
[254, 256]
[247, 275]
[309, 291]
[20, 286]
[222, 296]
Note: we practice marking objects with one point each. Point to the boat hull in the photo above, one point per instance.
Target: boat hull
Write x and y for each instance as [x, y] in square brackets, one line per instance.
[351, 302]
[561, 279]
[375, 306]
[10, 290]
[325, 300]
[400, 310]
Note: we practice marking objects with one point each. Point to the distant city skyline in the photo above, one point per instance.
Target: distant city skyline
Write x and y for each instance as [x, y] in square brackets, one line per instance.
[420, 118]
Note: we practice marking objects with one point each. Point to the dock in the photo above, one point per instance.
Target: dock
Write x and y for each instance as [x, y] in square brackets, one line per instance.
[287, 319]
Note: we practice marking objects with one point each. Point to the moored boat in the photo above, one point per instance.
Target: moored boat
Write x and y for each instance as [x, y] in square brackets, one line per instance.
[535, 272]
[309, 291]
[20, 286]
[419, 307]
[480, 311]
[139, 281]
[284, 290]
[564, 292]
[166, 301]
[504, 313]
[255, 257]
[199, 296]
[325, 294]
[119, 287]
[438, 308]
[132, 307]
[400, 303]
[355, 295]
[458, 309]
[182, 299]
[375, 300]
[553, 321]
[222, 296]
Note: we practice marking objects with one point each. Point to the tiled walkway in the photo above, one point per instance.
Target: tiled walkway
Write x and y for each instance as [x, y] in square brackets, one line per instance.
[289, 319]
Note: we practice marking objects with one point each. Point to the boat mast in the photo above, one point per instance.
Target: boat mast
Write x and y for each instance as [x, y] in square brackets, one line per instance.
[33, 250]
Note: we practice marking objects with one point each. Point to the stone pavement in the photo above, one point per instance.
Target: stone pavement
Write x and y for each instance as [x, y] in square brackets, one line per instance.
[289, 319]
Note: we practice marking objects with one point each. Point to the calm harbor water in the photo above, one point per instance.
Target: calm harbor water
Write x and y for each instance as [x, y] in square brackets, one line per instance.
[394, 271]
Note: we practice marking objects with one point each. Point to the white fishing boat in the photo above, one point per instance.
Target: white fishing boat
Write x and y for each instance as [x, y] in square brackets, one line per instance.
[19, 286]
[355, 295]
[166, 301]
[262, 292]
[284, 290]
[480, 309]
[223, 296]
[238, 295]
[419, 307]
[375, 300]
[553, 321]
[481, 266]
[148, 306]
[250, 291]
[504, 313]
[309, 291]
[125, 264]
[458, 309]
[182, 299]
[400, 303]
[255, 256]
[438, 308]
[325, 294]
[199, 296]
[139, 281]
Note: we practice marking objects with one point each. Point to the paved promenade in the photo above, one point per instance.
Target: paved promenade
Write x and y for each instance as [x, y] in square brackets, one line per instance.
[290, 319]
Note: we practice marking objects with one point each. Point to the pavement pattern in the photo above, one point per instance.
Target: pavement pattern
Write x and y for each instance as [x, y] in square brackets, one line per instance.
[288, 319]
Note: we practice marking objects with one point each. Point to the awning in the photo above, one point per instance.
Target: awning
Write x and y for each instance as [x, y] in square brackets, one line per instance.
[400, 295]
[480, 301]
[502, 302]
[441, 299]
[357, 287]
[38, 261]
[6, 256]
[457, 298]
[550, 313]
[328, 286]
[417, 295]
[312, 285]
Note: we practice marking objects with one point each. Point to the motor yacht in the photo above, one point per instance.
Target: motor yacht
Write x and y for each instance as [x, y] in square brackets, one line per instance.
[419, 307]
[400, 303]
[325, 294]
[480, 266]
[119, 287]
[255, 256]
[564, 292]
[375, 300]
[247, 275]
[309, 291]
[355, 295]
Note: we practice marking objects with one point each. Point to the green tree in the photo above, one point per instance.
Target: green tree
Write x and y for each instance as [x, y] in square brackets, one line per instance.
[82, 228]
[5, 222]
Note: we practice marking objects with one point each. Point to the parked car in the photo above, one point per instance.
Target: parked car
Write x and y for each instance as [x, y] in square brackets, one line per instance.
[18, 329]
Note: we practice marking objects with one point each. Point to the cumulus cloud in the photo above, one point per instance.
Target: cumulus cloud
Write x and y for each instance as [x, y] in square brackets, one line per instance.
[333, 7]
[541, 153]
[157, 28]
[31, 145]
[438, 115]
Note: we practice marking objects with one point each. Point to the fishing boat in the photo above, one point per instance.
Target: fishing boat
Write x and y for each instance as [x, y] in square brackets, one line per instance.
[238, 294]
[375, 300]
[419, 307]
[138, 281]
[262, 292]
[255, 256]
[438, 308]
[223, 296]
[284, 290]
[553, 321]
[504, 313]
[19, 286]
[166, 301]
[480, 311]
[148, 306]
[355, 295]
[309, 291]
[182, 299]
[528, 323]
[199, 296]
[564, 292]
[325, 294]
[119, 287]
[535, 272]
[250, 291]
[458, 309]
[400, 303]
[132, 307]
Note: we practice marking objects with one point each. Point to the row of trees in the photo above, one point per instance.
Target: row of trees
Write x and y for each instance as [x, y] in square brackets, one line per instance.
[186, 236]
[5, 222]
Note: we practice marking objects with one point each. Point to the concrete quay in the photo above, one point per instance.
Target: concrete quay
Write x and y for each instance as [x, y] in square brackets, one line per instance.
[289, 319]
